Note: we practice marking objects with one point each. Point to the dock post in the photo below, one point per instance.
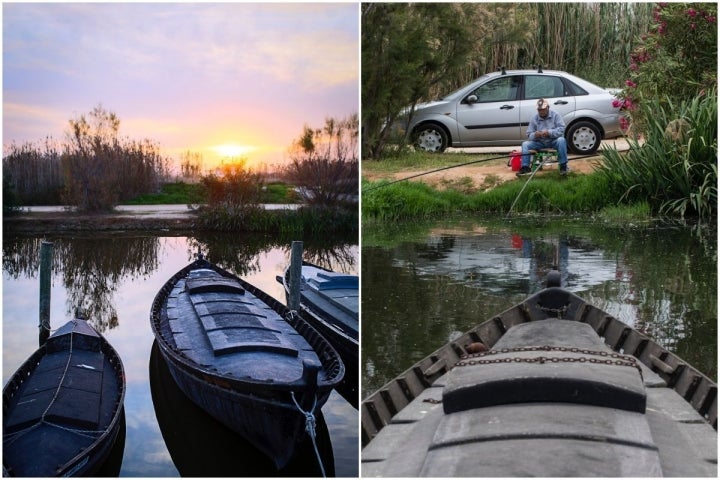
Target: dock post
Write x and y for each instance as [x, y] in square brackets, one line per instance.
[295, 275]
[46, 256]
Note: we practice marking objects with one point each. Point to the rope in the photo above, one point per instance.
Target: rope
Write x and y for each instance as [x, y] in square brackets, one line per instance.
[310, 428]
[62, 379]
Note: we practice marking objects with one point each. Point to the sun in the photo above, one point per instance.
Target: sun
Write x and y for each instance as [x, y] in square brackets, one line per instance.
[232, 150]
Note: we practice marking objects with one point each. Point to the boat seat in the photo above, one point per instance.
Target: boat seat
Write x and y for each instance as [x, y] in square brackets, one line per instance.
[548, 370]
[333, 280]
[76, 404]
[233, 323]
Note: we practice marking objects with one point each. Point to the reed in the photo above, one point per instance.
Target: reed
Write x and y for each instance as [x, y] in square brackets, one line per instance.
[590, 40]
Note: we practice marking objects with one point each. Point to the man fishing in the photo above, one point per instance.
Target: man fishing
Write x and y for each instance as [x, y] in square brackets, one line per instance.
[546, 130]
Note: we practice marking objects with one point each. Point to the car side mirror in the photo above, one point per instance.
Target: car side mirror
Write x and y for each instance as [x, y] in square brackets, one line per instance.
[471, 99]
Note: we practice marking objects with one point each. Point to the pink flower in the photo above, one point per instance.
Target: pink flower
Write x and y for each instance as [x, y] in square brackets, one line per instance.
[617, 103]
[633, 66]
[691, 12]
[692, 26]
[630, 83]
[624, 124]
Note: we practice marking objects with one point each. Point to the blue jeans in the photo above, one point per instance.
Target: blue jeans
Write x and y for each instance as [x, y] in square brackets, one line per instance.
[558, 144]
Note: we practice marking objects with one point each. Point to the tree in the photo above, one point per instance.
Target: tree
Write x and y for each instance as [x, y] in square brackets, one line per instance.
[675, 60]
[100, 169]
[191, 164]
[406, 50]
[234, 188]
[325, 162]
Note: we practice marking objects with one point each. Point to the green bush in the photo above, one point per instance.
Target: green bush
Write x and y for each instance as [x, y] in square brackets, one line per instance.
[675, 169]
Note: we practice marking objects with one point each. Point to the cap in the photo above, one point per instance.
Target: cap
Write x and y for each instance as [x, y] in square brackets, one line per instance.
[542, 104]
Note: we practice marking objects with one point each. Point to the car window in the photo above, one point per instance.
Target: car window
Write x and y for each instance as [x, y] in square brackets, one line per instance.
[501, 89]
[543, 86]
[574, 89]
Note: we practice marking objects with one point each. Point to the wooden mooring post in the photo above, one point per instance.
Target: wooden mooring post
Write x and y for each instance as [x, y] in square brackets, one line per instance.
[46, 256]
[296, 254]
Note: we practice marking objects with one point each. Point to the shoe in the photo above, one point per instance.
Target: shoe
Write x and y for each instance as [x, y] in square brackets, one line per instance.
[523, 171]
[563, 169]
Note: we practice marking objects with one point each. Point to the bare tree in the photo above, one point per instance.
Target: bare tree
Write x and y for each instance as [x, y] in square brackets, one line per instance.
[325, 162]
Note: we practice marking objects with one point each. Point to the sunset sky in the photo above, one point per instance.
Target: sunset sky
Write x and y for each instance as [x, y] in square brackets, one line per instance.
[188, 76]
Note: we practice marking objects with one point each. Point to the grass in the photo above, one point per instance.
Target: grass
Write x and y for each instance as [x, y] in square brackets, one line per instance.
[171, 194]
[182, 193]
[585, 194]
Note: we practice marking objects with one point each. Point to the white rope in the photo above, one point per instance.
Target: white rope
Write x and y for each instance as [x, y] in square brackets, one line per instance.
[310, 428]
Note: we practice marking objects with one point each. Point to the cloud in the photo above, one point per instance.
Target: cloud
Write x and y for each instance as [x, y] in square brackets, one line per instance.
[170, 70]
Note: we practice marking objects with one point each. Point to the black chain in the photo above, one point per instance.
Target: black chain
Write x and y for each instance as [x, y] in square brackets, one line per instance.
[619, 359]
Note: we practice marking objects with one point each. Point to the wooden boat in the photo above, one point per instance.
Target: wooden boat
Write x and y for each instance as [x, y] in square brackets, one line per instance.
[62, 409]
[564, 390]
[242, 357]
[200, 446]
[329, 302]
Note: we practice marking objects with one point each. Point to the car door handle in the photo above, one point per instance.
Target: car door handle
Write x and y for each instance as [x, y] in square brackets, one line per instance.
[561, 102]
[507, 107]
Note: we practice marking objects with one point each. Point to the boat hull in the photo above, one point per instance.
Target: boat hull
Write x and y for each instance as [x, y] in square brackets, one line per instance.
[244, 390]
[63, 408]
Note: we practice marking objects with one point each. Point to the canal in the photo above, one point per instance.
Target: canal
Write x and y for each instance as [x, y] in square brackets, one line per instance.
[425, 284]
[114, 278]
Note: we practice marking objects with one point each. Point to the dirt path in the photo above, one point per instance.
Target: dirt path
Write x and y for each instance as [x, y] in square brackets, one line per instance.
[476, 177]
[487, 175]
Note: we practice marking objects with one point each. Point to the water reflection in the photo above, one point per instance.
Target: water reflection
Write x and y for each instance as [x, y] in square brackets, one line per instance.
[119, 275]
[420, 292]
[91, 268]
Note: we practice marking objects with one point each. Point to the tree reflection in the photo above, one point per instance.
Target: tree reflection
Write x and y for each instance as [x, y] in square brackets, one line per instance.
[242, 256]
[91, 269]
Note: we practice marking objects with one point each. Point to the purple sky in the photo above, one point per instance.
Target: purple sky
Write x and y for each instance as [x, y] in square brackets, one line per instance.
[189, 76]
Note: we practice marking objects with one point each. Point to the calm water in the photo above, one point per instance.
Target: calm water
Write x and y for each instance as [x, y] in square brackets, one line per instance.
[114, 279]
[423, 285]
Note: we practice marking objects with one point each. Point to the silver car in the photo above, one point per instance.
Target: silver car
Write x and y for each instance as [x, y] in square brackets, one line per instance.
[495, 110]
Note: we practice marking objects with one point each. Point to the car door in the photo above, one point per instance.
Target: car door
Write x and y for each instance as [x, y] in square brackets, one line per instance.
[491, 112]
[551, 88]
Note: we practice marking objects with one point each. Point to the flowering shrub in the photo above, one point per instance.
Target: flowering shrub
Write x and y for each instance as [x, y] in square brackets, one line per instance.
[677, 59]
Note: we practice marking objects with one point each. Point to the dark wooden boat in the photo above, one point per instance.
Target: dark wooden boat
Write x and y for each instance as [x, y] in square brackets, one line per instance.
[242, 357]
[200, 446]
[329, 302]
[564, 390]
[62, 409]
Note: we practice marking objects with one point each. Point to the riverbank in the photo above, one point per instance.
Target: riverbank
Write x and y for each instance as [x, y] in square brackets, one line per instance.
[274, 219]
[137, 217]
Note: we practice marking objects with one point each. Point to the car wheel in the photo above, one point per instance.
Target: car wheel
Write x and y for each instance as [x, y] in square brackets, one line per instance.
[431, 138]
[583, 138]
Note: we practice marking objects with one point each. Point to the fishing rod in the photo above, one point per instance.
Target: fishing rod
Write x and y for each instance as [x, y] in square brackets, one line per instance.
[434, 171]
[462, 165]
[532, 174]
